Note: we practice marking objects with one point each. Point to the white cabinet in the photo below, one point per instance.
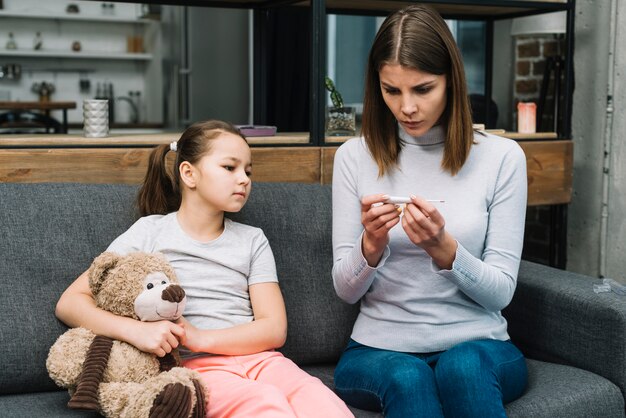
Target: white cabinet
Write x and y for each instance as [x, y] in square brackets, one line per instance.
[117, 46]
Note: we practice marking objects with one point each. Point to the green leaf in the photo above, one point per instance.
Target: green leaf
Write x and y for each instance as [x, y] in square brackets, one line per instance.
[335, 96]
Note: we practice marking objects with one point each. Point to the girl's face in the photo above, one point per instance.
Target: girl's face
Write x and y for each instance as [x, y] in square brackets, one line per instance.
[222, 176]
[416, 99]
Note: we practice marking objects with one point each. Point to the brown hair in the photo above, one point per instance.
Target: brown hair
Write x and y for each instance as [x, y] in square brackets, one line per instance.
[161, 193]
[416, 37]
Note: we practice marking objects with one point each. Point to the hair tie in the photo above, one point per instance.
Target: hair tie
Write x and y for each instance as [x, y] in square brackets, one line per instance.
[174, 146]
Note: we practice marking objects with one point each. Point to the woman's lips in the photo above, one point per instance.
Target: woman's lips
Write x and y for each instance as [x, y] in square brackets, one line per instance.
[412, 125]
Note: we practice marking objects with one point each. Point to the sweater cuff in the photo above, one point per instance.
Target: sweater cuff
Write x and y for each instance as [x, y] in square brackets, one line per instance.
[466, 269]
[357, 263]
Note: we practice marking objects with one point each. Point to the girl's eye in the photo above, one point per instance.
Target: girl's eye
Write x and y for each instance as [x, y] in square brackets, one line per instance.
[229, 167]
[249, 173]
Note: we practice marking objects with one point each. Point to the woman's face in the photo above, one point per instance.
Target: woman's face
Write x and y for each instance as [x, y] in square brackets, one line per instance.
[416, 99]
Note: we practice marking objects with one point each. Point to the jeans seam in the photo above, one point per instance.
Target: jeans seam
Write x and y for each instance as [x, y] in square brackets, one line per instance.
[504, 363]
[368, 391]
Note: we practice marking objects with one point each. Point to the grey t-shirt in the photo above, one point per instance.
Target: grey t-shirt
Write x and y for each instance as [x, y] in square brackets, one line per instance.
[216, 274]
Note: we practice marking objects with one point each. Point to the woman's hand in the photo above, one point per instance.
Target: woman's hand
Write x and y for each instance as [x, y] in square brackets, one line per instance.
[425, 227]
[377, 221]
[159, 337]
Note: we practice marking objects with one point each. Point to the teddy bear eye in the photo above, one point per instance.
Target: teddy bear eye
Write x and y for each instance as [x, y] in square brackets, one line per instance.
[150, 286]
[163, 282]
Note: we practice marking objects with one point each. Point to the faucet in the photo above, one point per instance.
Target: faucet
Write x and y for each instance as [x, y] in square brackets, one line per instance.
[134, 118]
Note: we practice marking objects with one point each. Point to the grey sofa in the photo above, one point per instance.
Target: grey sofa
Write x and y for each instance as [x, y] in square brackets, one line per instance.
[49, 233]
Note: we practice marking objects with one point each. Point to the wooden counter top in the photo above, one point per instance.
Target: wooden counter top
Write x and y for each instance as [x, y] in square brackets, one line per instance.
[123, 159]
[150, 140]
[14, 105]
[127, 140]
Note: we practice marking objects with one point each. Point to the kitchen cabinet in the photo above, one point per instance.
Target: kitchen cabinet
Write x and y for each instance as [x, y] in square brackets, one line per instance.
[58, 50]
[117, 47]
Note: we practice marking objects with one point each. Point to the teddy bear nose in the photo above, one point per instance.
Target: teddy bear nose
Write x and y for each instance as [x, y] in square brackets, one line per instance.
[173, 293]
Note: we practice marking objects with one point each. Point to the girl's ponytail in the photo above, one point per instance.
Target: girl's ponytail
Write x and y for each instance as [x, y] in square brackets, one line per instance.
[159, 194]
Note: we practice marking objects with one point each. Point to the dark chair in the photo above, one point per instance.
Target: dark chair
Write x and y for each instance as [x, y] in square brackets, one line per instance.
[480, 113]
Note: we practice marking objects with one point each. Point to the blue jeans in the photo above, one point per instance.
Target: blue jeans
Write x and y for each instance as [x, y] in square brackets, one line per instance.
[471, 379]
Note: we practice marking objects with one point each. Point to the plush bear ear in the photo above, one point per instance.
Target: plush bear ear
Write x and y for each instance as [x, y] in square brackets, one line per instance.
[100, 268]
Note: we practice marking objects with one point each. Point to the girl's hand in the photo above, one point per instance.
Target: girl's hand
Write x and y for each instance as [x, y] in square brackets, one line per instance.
[159, 337]
[377, 221]
[194, 338]
[425, 227]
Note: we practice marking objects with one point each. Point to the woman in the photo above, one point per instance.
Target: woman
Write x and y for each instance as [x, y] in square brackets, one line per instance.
[431, 277]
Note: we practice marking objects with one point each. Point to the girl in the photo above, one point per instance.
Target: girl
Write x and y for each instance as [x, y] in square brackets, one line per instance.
[431, 278]
[235, 315]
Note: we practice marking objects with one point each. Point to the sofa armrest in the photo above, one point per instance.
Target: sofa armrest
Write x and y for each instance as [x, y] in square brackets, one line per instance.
[556, 316]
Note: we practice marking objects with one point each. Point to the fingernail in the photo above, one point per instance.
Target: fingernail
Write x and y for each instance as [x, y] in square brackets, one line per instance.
[413, 197]
[385, 196]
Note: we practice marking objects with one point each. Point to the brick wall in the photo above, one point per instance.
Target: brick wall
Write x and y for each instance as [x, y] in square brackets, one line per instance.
[531, 54]
[530, 64]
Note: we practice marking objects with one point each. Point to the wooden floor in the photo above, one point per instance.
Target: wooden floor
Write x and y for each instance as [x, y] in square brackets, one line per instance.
[124, 161]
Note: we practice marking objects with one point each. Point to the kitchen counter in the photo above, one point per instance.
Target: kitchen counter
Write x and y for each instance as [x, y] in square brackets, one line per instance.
[285, 157]
[128, 138]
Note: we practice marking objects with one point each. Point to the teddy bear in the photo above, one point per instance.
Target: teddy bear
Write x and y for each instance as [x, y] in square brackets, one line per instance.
[114, 377]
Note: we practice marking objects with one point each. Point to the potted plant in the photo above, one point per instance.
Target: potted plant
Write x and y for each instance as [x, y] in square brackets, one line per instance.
[340, 120]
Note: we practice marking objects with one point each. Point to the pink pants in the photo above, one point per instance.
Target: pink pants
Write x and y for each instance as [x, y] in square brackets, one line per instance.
[264, 385]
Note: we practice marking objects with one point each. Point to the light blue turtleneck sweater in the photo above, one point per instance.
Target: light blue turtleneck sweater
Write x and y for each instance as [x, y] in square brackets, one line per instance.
[408, 303]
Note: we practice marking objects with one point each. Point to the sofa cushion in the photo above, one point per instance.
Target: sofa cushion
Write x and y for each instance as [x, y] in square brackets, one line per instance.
[556, 316]
[50, 234]
[43, 404]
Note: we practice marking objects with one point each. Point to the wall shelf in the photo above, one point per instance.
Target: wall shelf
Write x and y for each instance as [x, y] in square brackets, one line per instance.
[26, 53]
[75, 17]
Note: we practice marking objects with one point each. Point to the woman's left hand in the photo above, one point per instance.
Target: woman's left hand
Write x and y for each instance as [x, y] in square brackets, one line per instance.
[425, 227]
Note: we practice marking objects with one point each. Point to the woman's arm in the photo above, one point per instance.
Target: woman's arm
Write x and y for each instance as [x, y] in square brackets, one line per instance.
[267, 331]
[76, 308]
[490, 279]
[360, 231]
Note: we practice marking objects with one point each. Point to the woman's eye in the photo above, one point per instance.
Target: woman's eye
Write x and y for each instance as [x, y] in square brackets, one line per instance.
[391, 91]
[423, 90]
[229, 167]
[149, 286]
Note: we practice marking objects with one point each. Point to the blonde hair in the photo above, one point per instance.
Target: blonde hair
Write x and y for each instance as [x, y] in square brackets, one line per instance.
[160, 192]
[416, 37]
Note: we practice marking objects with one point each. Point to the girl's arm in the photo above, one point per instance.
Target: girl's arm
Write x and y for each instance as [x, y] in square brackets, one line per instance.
[77, 308]
[267, 331]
